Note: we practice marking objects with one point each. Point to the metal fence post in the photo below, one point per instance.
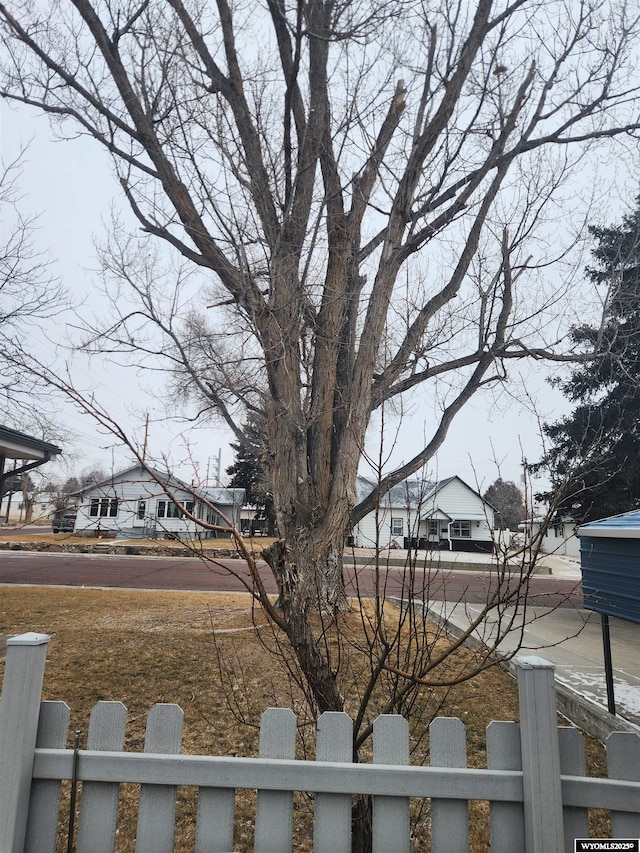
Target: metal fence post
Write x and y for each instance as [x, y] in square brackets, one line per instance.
[19, 712]
[543, 820]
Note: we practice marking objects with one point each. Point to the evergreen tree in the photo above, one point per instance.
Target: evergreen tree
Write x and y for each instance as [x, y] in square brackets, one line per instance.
[250, 472]
[594, 457]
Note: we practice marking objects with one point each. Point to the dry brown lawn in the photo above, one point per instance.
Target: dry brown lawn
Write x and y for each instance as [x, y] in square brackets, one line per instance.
[143, 647]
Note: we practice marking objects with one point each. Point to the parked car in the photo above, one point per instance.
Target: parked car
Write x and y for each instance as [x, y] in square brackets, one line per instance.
[64, 524]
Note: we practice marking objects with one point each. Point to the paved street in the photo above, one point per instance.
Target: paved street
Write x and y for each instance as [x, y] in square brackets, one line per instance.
[188, 573]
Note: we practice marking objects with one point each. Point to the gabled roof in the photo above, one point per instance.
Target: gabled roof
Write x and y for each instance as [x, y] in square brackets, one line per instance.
[217, 495]
[412, 494]
[409, 493]
[624, 526]
[223, 496]
[143, 473]
[437, 514]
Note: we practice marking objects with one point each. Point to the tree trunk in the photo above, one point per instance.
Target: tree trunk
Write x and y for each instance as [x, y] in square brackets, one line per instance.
[307, 585]
[309, 581]
[361, 825]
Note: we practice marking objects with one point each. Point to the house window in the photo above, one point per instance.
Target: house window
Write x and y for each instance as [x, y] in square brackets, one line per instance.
[168, 509]
[558, 531]
[103, 507]
[397, 526]
[433, 528]
[172, 510]
[142, 506]
[461, 530]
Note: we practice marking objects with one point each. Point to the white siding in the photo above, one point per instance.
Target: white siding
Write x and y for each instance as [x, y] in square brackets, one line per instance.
[371, 534]
[559, 539]
[454, 499]
[139, 496]
[461, 503]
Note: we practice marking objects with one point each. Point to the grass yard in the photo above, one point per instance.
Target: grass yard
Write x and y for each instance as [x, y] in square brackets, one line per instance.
[145, 647]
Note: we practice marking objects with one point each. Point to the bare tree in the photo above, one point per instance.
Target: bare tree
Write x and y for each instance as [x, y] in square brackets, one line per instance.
[382, 655]
[506, 498]
[29, 295]
[366, 192]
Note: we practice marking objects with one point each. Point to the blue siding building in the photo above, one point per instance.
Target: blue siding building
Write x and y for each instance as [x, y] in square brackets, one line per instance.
[610, 562]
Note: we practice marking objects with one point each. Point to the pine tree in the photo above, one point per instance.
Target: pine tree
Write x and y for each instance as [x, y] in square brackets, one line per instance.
[251, 473]
[594, 457]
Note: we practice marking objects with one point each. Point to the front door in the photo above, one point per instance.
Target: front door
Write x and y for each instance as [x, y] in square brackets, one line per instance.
[433, 530]
[140, 512]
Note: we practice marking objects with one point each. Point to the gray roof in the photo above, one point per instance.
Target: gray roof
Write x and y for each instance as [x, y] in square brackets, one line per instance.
[223, 496]
[624, 526]
[162, 476]
[410, 494]
[19, 445]
[218, 495]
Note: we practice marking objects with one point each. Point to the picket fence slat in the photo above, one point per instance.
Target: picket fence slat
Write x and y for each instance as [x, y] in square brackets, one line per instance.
[274, 809]
[623, 762]
[449, 818]
[540, 757]
[391, 827]
[157, 808]
[572, 763]
[44, 802]
[19, 710]
[332, 818]
[99, 800]
[506, 820]
[214, 821]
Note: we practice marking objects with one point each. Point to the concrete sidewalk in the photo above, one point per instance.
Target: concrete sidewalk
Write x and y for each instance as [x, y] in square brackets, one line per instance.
[571, 639]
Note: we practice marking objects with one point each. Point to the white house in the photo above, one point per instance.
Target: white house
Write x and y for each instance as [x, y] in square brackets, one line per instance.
[14, 511]
[141, 503]
[445, 514]
[557, 537]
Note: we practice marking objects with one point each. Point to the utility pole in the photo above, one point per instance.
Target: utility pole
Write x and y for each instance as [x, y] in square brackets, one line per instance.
[146, 438]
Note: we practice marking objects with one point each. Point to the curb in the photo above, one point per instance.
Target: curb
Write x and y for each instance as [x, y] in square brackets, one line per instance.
[424, 564]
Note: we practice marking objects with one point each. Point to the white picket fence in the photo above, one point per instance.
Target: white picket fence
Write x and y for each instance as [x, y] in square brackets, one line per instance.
[534, 782]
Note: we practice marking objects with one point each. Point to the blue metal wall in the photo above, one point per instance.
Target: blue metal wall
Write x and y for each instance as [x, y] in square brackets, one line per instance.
[611, 576]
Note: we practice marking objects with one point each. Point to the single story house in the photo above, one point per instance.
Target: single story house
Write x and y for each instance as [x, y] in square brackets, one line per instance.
[552, 537]
[145, 503]
[443, 514]
[15, 512]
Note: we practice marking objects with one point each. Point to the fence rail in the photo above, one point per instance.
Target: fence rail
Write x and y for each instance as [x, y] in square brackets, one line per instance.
[535, 780]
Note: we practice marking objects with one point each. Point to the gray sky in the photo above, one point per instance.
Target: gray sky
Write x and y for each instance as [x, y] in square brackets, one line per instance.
[68, 183]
